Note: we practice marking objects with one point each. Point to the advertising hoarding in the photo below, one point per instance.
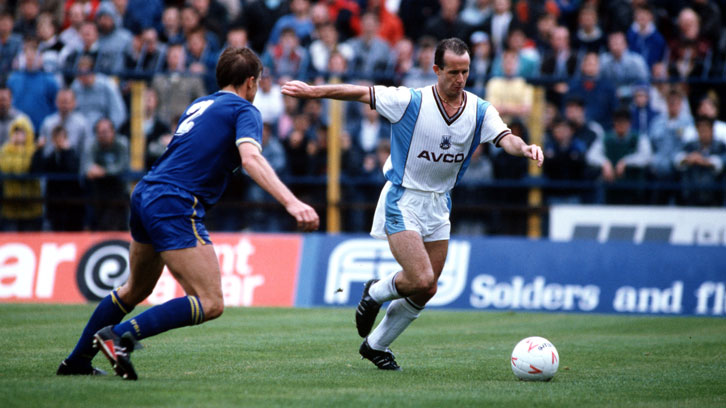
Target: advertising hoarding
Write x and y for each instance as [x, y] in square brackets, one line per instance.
[256, 269]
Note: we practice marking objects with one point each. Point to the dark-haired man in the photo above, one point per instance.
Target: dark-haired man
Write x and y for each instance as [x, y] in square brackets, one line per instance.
[622, 154]
[434, 133]
[167, 213]
[700, 165]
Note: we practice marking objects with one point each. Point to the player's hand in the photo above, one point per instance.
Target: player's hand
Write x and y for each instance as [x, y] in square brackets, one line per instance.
[297, 89]
[306, 217]
[534, 152]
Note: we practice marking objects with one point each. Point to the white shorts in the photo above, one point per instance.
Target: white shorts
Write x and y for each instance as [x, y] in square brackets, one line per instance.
[401, 209]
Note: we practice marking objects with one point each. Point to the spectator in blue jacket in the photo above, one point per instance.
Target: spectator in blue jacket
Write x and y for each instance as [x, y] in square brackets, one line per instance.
[669, 133]
[700, 164]
[141, 14]
[598, 93]
[113, 39]
[299, 20]
[564, 153]
[33, 88]
[201, 57]
[642, 114]
[371, 53]
[10, 44]
[644, 37]
[621, 66]
[97, 96]
[287, 58]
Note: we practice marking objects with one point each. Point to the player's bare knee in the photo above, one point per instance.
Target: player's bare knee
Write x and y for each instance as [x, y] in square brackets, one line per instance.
[131, 295]
[214, 313]
[213, 308]
[431, 291]
[425, 284]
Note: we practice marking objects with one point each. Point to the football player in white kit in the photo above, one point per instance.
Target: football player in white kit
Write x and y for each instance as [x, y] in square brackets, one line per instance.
[434, 132]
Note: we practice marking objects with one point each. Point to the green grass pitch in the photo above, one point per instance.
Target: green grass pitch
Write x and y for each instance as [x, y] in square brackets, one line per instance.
[308, 358]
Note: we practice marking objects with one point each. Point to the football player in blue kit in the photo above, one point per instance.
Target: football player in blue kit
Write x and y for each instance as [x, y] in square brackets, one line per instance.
[167, 213]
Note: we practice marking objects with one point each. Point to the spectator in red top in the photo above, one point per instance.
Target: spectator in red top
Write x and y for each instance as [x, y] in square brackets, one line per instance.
[391, 27]
[89, 10]
[345, 14]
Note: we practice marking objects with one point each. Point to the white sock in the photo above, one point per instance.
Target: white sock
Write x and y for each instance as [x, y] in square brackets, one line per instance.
[385, 289]
[400, 313]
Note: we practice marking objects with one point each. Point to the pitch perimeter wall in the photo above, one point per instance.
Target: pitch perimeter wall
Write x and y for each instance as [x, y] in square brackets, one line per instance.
[329, 270]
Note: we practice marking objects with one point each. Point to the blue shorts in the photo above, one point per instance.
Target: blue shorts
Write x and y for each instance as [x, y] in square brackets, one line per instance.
[166, 217]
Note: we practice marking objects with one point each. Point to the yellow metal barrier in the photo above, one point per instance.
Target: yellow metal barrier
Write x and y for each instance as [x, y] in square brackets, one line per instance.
[137, 139]
[536, 135]
[335, 114]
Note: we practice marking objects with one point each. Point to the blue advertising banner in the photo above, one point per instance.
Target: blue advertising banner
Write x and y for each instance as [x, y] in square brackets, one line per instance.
[527, 275]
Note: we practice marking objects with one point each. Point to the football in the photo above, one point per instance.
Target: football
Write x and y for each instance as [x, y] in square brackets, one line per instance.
[535, 359]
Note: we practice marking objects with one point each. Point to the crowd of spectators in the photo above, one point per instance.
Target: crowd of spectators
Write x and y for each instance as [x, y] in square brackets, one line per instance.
[632, 87]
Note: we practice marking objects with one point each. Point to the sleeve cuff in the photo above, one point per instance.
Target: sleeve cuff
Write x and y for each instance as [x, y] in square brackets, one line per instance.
[500, 136]
[248, 140]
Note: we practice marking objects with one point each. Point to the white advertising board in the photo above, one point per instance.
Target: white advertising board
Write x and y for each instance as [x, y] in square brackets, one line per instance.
[638, 224]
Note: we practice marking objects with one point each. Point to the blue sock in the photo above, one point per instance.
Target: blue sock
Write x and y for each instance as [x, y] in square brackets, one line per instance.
[179, 312]
[110, 311]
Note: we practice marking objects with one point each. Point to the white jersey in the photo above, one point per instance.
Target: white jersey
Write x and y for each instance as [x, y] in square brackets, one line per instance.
[430, 151]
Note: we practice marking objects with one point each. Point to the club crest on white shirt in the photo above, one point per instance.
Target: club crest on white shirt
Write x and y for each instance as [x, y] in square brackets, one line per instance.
[445, 142]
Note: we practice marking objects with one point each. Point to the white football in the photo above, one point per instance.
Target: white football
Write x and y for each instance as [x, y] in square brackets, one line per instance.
[535, 359]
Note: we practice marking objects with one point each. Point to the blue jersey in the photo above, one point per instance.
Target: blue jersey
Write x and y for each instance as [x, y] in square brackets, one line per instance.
[203, 152]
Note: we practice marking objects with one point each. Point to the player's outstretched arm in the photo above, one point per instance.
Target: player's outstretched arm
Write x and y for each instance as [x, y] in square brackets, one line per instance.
[343, 92]
[515, 146]
[262, 173]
